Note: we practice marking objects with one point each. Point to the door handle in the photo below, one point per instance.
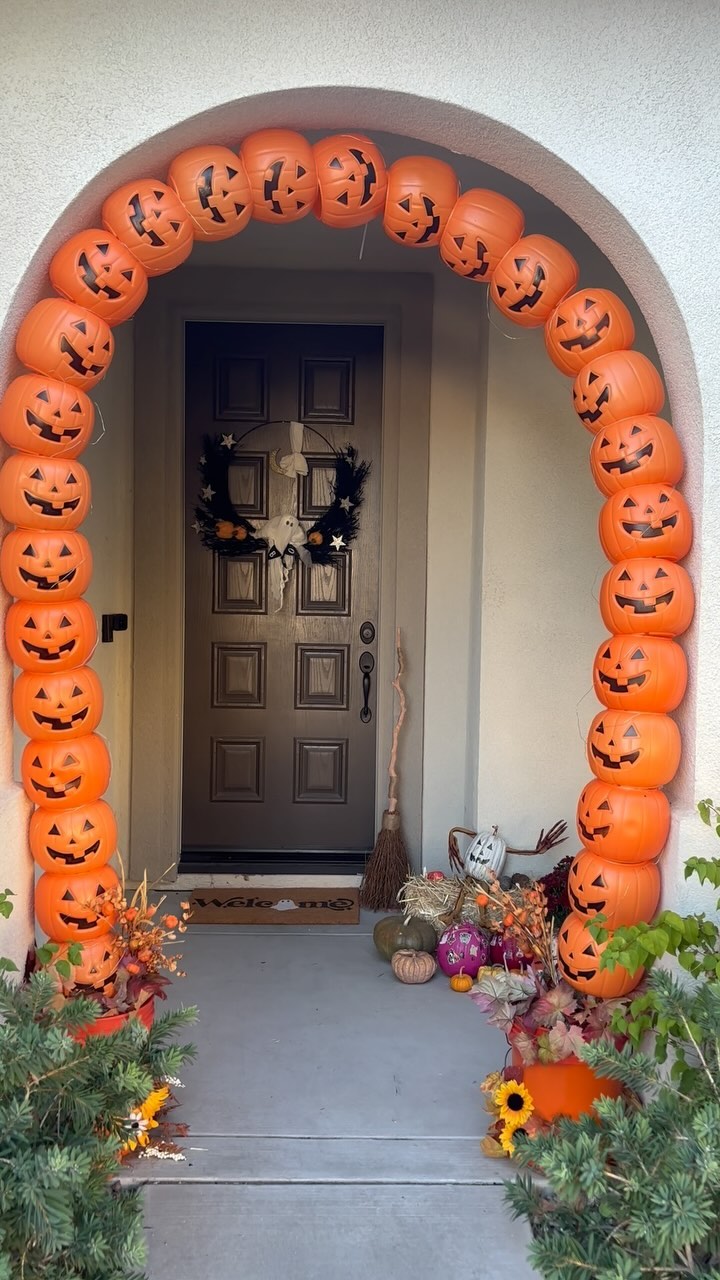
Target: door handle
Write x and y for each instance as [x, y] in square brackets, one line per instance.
[366, 664]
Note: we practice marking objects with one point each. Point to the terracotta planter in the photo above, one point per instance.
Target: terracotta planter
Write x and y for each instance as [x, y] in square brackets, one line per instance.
[567, 1088]
[110, 1022]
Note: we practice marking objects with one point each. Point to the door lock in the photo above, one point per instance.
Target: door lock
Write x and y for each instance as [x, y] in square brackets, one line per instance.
[366, 664]
[367, 633]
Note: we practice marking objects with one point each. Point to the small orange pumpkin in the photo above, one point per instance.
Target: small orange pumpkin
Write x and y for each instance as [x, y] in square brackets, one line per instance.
[586, 325]
[461, 982]
[413, 966]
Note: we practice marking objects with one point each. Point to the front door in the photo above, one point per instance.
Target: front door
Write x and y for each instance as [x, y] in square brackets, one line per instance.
[279, 716]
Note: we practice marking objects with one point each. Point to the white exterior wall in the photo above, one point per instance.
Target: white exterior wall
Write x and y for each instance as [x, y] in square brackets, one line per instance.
[611, 112]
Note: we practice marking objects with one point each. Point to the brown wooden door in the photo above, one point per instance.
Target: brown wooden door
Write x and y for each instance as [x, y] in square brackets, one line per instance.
[278, 766]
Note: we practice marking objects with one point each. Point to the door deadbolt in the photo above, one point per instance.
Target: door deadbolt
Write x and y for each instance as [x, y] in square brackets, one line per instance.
[367, 633]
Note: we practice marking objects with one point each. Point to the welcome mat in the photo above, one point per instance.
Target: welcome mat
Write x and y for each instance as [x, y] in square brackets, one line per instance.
[275, 906]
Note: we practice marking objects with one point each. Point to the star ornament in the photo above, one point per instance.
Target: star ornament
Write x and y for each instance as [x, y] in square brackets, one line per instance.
[346, 504]
[207, 493]
[228, 442]
[337, 542]
[196, 526]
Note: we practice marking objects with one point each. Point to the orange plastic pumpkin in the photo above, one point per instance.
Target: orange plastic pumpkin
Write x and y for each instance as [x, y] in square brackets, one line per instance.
[352, 180]
[623, 824]
[634, 748]
[531, 279]
[421, 195]
[215, 190]
[99, 960]
[646, 520]
[74, 840]
[37, 565]
[150, 219]
[579, 963]
[280, 166]
[64, 904]
[65, 775]
[58, 705]
[646, 596]
[586, 325]
[480, 229]
[44, 493]
[49, 636]
[616, 386]
[42, 415]
[640, 673]
[97, 271]
[64, 341]
[640, 450]
[624, 893]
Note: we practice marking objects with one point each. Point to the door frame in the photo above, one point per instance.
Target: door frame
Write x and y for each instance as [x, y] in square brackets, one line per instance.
[402, 303]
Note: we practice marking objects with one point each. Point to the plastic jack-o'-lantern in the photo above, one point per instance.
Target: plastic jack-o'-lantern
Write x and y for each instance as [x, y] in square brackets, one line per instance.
[623, 824]
[617, 386]
[634, 748]
[50, 637]
[37, 565]
[74, 840]
[280, 165]
[44, 493]
[480, 229]
[42, 415]
[215, 189]
[531, 279]
[352, 180]
[65, 341]
[58, 705]
[64, 775]
[579, 963]
[421, 195]
[647, 519]
[586, 325]
[641, 450]
[65, 904]
[99, 272]
[622, 893]
[640, 673]
[152, 222]
[99, 961]
[647, 596]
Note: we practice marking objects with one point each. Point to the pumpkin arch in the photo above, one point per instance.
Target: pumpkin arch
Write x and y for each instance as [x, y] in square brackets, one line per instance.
[277, 176]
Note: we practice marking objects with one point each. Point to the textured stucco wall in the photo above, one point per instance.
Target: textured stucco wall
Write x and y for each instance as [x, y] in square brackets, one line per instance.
[610, 111]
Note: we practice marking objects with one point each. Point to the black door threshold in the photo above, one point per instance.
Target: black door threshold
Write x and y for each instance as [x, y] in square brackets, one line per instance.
[212, 865]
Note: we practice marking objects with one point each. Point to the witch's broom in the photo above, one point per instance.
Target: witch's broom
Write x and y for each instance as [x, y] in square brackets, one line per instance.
[388, 866]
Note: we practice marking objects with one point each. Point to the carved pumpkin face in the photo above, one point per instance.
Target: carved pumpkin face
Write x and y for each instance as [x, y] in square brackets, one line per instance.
[639, 450]
[481, 228]
[640, 673]
[624, 894]
[620, 385]
[41, 415]
[36, 565]
[421, 195]
[64, 904]
[50, 637]
[97, 271]
[634, 748]
[623, 824]
[587, 325]
[76, 840]
[579, 963]
[64, 341]
[647, 519]
[44, 493]
[151, 222]
[58, 705]
[531, 279]
[281, 168]
[99, 961]
[352, 180]
[64, 775]
[647, 596]
[215, 190]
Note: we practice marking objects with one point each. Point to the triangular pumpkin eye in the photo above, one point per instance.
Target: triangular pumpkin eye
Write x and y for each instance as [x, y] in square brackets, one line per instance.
[589, 302]
[37, 474]
[71, 478]
[600, 728]
[560, 320]
[69, 760]
[637, 655]
[607, 654]
[87, 825]
[54, 831]
[519, 263]
[77, 693]
[30, 625]
[36, 763]
[593, 377]
[565, 935]
[598, 883]
[624, 576]
[604, 804]
[631, 732]
[43, 395]
[636, 430]
[81, 326]
[664, 497]
[604, 443]
[30, 551]
[661, 574]
[589, 951]
[100, 890]
[629, 502]
[65, 551]
[64, 622]
[67, 896]
[42, 695]
[76, 407]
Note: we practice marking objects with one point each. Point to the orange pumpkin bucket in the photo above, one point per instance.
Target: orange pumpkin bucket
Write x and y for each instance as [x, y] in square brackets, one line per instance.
[568, 1088]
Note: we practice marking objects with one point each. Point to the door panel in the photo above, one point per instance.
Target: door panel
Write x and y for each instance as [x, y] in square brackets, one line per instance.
[278, 767]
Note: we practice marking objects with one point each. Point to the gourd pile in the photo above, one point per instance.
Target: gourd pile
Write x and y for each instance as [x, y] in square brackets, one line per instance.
[100, 277]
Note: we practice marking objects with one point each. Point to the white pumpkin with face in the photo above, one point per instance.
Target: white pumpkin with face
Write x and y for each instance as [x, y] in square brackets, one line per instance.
[487, 852]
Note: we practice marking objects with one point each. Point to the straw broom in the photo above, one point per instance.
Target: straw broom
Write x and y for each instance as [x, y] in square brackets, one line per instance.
[388, 866]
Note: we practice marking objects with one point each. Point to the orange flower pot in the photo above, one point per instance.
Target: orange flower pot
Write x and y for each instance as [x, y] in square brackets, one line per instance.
[567, 1088]
[110, 1022]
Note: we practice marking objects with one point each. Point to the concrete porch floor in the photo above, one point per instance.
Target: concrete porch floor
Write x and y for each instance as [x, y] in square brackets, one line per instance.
[334, 1120]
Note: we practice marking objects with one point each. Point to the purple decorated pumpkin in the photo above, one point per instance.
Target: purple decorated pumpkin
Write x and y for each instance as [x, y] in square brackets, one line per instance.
[462, 949]
[504, 950]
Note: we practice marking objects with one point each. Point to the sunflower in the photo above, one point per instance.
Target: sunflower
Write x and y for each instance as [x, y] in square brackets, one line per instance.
[514, 1103]
[507, 1137]
[141, 1120]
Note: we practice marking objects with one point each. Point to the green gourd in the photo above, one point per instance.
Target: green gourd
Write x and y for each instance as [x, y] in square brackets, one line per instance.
[394, 933]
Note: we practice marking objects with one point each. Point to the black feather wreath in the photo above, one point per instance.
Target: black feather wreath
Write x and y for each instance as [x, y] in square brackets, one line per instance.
[221, 529]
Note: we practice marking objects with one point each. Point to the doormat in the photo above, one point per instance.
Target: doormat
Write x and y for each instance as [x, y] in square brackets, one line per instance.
[275, 906]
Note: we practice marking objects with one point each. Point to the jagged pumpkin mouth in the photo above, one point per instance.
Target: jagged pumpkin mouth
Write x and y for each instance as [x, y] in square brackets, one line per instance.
[608, 763]
[615, 686]
[597, 833]
[71, 859]
[649, 530]
[47, 508]
[630, 462]
[47, 654]
[58, 725]
[592, 415]
[45, 428]
[637, 605]
[583, 907]
[46, 584]
[78, 922]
